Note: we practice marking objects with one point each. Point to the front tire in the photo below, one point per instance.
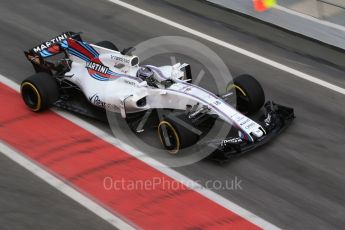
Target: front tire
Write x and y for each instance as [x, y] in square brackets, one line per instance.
[176, 135]
[250, 94]
[39, 91]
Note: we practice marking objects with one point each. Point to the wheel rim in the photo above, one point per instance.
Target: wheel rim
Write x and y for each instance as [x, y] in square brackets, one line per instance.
[169, 137]
[31, 96]
[242, 98]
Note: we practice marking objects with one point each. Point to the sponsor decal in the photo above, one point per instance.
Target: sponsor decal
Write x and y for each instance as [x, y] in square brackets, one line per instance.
[99, 103]
[48, 44]
[247, 124]
[120, 59]
[130, 82]
[235, 140]
[97, 67]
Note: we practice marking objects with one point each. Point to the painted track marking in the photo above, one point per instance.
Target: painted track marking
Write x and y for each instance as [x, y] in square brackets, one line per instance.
[214, 197]
[61, 186]
[232, 47]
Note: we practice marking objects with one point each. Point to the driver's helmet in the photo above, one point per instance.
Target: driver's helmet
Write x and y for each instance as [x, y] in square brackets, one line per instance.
[145, 73]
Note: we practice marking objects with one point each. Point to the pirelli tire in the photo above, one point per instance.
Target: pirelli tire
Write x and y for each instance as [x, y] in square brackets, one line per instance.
[39, 91]
[249, 93]
[180, 133]
[108, 45]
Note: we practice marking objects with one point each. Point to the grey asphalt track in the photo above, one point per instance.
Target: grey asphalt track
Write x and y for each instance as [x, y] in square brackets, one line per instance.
[27, 202]
[295, 182]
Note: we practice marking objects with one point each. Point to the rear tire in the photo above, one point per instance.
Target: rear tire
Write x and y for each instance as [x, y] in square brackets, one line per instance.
[179, 134]
[249, 93]
[108, 45]
[39, 91]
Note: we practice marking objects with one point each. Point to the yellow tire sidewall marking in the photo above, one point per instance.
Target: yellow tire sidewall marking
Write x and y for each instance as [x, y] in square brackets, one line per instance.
[174, 151]
[39, 99]
[229, 87]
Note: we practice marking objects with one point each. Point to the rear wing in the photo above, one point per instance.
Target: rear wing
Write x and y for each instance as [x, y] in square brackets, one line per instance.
[39, 54]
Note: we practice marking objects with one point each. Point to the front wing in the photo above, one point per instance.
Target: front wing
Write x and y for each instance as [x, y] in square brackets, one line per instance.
[276, 119]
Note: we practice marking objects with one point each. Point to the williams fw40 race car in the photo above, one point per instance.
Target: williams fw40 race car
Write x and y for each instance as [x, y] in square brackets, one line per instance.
[78, 76]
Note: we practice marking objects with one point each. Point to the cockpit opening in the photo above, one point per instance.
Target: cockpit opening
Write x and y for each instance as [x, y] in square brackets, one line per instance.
[148, 75]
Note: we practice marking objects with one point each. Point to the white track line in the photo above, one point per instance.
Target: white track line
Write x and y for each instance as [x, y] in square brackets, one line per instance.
[157, 165]
[63, 187]
[237, 49]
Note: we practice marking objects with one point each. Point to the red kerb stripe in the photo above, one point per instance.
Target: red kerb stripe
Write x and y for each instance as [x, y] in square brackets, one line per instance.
[84, 160]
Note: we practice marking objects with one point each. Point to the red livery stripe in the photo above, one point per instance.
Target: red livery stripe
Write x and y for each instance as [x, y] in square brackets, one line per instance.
[75, 45]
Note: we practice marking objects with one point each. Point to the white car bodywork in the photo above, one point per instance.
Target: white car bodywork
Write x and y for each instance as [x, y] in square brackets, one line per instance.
[124, 89]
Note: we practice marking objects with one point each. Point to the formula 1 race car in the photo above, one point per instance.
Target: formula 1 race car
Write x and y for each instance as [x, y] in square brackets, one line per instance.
[92, 79]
